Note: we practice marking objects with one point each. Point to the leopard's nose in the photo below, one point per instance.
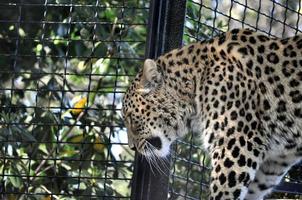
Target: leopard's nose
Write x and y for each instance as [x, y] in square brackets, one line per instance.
[155, 141]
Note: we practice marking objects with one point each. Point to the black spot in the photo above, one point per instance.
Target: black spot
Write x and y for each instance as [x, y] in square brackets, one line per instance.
[262, 88]
[294, 83]
[214, 92]
[298, 112]
[256, 152]
[254, 125]
[242, 141]
[215, 115]
[273, 46]
[252, 40]
[177, 73]
[246, 129]
[261, 49]
[223, 97]
[281, 106]
[232, 179]
[216, 126]
[241, 161]
[251, 49]
[185, 61]
[247, 31]
[169, 55]
[243, 38]
[243, 50]
[217, 169]
[221, 39]
[235, 31]
[258, 72]
[216, 103]
[228, 163]
[242, 112]
[236, 193]
[235, 152]
[222, 179]
[220, 142]
[179, 53]
[249, 162]
[234, 115]
[229, 105]
[230, 131]
[258, 141]
[231, 143]
[215, 188]
[263, 38]
[266, 105]
[254, 165]
[211, 138]
[296, 96]
[249, 146]
[231, 68]
[223, 54]
[268, 70]
[286, 70]
[279, 90]
[260, 59]
[273, 58]
[248, 117]
[218, 197]
[249, 64]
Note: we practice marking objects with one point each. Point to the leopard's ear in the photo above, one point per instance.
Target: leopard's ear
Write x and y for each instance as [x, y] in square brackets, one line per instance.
[151, 74]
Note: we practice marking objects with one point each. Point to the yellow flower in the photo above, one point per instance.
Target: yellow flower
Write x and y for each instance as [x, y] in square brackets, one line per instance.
[79, 106]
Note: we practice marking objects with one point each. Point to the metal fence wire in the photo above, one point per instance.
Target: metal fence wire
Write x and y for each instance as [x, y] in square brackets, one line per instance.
[64, 66]
[205, 19]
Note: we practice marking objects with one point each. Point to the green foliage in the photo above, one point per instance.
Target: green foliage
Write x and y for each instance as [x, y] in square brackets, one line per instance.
[59, 56]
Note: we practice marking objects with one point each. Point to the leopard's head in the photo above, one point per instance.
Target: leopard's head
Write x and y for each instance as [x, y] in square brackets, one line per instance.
[154, 115]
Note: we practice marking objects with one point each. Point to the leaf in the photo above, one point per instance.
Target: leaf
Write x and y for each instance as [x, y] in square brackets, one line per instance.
[15, 179]
[76, 138]
[23, 133]
[98, 145]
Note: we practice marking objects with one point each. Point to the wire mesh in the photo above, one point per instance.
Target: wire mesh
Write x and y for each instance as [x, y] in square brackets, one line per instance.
[205, 19]
[64, 65]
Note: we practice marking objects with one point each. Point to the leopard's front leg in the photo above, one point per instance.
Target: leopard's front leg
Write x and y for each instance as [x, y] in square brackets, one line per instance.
[234, 167]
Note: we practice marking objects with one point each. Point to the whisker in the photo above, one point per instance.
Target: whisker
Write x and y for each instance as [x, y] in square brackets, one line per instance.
[157, 161]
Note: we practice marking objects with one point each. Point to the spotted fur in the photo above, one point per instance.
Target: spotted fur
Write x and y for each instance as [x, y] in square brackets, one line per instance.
[242, 91]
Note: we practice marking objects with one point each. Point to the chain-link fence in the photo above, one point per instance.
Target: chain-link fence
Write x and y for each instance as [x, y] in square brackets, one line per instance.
[205, 19]
[64, 66]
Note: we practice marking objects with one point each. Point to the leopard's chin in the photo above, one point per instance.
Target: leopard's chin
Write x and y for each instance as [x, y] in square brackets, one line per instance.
[157, 146]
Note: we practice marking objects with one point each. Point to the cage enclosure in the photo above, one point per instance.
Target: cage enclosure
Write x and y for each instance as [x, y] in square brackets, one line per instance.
[64, 67]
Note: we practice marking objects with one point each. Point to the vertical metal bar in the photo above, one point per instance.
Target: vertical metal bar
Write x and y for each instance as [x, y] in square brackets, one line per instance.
[165, 32]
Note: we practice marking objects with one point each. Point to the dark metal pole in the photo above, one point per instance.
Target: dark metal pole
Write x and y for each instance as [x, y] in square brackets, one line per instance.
[165, 32]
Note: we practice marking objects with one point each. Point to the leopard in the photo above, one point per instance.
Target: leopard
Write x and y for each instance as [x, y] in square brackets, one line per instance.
[241, 91]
